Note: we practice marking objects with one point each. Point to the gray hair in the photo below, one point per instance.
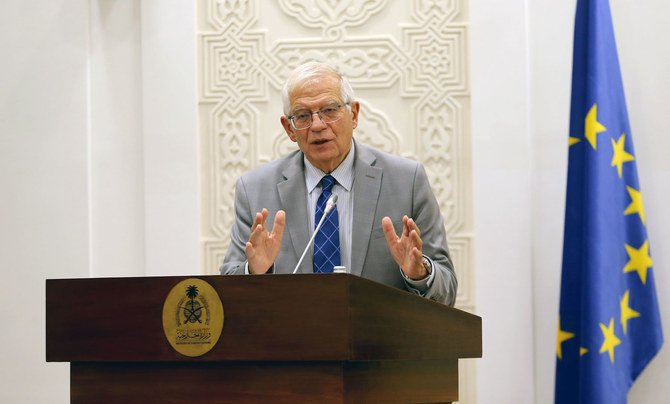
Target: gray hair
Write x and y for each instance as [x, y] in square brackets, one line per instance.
[310, 70]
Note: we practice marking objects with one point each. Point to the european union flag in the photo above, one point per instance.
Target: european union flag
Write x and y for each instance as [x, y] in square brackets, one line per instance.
[609, 327]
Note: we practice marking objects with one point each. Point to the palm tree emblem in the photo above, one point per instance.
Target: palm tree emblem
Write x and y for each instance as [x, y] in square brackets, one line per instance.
[192, 309]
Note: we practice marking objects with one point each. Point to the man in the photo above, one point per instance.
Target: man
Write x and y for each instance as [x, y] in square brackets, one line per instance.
[378, 193]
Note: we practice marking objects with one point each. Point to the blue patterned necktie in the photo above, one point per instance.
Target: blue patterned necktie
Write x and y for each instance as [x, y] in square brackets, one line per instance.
[327, 240]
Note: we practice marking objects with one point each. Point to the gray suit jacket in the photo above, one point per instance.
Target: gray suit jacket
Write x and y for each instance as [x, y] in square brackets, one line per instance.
[384, 185]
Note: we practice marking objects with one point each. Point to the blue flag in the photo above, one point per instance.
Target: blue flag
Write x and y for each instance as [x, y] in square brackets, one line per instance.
[609, 326]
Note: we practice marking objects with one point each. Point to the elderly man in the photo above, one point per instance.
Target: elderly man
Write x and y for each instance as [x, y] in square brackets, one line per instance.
[377, 194]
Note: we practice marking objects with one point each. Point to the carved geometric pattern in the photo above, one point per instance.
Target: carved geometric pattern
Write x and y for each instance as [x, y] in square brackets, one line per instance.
[407, 62]
[213, 253]
[437, 60]
[438, 120]
[226, 13]
[368, 63]
[412, 84]
[281, 146]
[460, 250]
[374, 129]
[440, 10]
[235, 67]
[332, 16]
[233, 149]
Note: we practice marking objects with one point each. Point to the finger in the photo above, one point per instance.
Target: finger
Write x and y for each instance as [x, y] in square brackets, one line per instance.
[264, 215]
[416, 240]
[389, 230]
[249, 250]
[405, 226]
[258, 219]
[417, 256]
[256, 233]
[413, 265]
[278, 226]
[411, 224]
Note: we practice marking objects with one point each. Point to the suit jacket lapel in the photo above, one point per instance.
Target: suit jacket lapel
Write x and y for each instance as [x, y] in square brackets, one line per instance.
[367, 185]
[292, 193]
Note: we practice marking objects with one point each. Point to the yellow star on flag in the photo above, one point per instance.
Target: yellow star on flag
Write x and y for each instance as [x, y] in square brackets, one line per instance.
[636, 205]
[573, 140]
[583, 351]
[561, 337]
[626, 312]
[610, 340]
[639, 260]
[592, 127]
[620, 155]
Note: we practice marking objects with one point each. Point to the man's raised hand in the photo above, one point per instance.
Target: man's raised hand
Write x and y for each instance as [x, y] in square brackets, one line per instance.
[263, 247]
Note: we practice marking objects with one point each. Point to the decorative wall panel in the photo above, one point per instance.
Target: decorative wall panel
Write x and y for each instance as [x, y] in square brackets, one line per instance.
[407, 62]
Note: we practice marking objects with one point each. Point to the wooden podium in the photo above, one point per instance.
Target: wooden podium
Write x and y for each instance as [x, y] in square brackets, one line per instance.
[334, 338]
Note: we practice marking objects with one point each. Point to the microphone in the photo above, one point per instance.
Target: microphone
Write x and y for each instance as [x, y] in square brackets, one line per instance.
[330, 205]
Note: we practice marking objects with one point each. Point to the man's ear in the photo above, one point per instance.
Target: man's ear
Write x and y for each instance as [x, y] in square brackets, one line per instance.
[355, 109]
[288, 128]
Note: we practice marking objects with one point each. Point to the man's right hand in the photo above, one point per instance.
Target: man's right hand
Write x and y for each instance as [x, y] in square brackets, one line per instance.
[263, 247]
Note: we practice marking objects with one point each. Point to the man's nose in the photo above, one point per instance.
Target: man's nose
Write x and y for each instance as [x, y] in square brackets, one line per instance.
[317, 122]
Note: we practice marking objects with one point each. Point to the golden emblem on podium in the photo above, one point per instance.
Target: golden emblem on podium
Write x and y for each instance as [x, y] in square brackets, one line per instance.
[193, 317]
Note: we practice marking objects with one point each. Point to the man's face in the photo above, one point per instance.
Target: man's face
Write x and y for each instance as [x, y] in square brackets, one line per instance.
[325, 144]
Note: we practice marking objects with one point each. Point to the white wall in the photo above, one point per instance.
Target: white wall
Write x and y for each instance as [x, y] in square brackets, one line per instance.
[169, 86]
[98, 161]
[89, 170]
[116, 174]
[502, 199]
[44, 206]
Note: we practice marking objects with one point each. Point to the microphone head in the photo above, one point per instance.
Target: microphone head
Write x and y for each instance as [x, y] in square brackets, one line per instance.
[332, 201]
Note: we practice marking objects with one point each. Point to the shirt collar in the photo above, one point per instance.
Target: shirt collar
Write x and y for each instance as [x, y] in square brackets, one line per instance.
[344, 173]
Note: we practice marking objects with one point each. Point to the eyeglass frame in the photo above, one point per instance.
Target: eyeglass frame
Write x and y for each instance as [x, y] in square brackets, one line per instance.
[318, 113]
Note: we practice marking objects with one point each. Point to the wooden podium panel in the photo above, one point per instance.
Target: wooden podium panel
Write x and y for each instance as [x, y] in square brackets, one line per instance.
[264, 382]
[286, 338]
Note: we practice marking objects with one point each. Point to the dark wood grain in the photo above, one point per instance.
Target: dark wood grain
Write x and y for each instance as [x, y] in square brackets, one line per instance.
[267, 317]
[264, 382]
[286, 338]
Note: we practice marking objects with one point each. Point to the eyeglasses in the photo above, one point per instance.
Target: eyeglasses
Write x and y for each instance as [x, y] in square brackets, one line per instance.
[302, 119]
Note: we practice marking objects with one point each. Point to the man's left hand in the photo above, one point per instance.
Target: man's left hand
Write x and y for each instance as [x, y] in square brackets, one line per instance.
[406, 249]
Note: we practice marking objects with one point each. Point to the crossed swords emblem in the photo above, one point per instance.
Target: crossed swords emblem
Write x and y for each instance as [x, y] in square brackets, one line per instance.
[192, 314]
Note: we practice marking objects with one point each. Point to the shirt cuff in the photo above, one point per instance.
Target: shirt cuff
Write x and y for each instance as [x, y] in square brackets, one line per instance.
[421, 286]
[246, 269]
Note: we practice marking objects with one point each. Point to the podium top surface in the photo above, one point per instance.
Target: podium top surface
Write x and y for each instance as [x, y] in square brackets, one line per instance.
[303, 317]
